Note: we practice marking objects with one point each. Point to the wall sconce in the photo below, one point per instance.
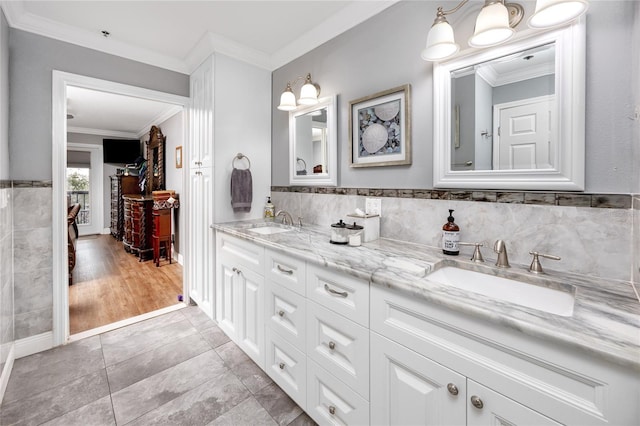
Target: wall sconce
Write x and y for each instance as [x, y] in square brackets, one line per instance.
[496, 22]
[308, 94]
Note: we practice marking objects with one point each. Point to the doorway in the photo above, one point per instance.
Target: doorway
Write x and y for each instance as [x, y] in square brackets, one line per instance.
[61, 82]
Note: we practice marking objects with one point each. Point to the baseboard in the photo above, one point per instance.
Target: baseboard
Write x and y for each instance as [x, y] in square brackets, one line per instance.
[6, 371]
[106, 231]
[34, 344]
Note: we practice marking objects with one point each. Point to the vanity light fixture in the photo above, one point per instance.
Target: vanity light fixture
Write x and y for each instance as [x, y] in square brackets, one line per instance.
[308, 94]
[495, 24]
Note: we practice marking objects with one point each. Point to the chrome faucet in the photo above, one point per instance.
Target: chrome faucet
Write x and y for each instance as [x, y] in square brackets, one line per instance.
[501, 248]
[286, 217]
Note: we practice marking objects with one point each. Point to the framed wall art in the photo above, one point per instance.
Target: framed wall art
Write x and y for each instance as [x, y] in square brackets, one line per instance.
[380, 128]
[179, 157]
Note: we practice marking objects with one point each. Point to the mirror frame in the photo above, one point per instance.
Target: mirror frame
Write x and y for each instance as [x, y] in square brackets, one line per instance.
[323, 179]
[569, 170]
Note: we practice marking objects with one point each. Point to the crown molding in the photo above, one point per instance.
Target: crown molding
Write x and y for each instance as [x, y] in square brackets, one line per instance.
[160, 118]
[212, 43]
[102, 132]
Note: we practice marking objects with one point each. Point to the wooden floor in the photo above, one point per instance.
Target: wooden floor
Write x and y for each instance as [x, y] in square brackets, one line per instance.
[110, 284]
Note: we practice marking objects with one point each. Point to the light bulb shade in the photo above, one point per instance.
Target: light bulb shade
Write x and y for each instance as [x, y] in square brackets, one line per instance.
[552, 13]
[492, 26]
[440, 42]
[308, 95]
[287, 100]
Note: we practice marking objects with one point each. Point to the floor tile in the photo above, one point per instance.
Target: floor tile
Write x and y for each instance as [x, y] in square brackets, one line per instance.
[49, 369]
[249, 412]
[56, 402]
[242, 366]
[215, 336]
[96, 413]
[199, 406]
[154, 361]
[152, 392]
[127, 342]
[278, 404]
[303, 420]
[197, 317]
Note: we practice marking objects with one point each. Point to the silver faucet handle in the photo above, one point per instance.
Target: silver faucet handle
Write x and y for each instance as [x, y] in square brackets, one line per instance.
[477, 254]
[300, 221]
[535, 266]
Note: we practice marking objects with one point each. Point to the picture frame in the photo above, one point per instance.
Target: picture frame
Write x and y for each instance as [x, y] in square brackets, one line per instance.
[179, 157]
[380, 128]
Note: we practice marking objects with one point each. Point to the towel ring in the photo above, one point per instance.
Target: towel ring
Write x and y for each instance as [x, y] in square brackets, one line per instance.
[240, 156]
[300, 162]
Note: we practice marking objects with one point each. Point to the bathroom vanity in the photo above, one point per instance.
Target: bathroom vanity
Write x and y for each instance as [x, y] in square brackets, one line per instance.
[375, 335]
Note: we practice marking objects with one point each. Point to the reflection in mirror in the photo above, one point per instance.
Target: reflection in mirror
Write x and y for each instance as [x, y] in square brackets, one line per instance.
[512, 116]
[504, 112]
[312, 133]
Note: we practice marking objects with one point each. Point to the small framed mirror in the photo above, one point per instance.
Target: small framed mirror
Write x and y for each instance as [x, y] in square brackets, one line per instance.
[313, 144]
[512, 117]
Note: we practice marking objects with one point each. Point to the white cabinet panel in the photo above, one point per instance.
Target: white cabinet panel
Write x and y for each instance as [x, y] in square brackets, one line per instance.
[227, 313]
[344, 294]
[285, 312]
[286, 271]
[243, 253]
[340, 346]
[251, 334]
[409, 389]
[287, 366]
[201, 131]
[330, 401]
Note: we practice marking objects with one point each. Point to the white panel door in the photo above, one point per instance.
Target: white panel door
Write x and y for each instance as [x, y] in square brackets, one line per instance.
[409, 389]
[251, 293]
[488, 408]
[201, 116]
[227, 313]
[524, 136]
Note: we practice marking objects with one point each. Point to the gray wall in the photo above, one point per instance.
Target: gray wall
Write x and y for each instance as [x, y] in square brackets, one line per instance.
[366, 60]
[531, 88]
[33, 58]
[4, 97]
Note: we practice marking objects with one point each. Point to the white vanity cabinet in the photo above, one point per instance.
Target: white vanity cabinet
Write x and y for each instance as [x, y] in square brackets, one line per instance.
[502, 376]
[240, 294]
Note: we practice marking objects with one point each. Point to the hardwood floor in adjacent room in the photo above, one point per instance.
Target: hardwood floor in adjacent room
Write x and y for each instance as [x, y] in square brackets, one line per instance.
[110, 284]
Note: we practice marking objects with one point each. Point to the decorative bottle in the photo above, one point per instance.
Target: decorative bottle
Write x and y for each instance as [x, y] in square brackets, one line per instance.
[269, 210]
[450, 236]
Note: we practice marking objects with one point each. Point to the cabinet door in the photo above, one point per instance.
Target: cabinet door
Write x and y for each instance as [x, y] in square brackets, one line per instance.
[287, 366]
[201, 131]
[201, 240]
[251, 293]
[285, 313]
[486, 407]
[409, 389]
[227, 298]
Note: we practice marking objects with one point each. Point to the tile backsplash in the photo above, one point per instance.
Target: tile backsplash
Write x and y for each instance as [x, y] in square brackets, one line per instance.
[590, 232]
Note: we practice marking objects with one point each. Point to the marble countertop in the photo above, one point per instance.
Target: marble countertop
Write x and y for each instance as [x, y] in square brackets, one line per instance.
[605, 320]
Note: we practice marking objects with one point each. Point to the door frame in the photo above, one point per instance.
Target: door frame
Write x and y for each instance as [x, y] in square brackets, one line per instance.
[96, 188]
[60, 81]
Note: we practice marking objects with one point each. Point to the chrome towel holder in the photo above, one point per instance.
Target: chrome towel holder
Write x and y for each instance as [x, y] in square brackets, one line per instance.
[240, 156]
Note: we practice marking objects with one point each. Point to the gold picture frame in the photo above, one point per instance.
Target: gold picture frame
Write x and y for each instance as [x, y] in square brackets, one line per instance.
[179, 157]
[380, 128]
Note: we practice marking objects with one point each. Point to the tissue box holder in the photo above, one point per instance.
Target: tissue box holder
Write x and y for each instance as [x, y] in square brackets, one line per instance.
[371, 224]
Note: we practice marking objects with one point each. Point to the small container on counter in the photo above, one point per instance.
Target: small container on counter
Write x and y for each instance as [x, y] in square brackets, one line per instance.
[339, 233]
[450, 236]
[355, 234]
[371, 224]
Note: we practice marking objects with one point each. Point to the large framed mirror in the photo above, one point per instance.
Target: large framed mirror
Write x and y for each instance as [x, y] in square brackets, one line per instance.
[313, 156]
[512, 117]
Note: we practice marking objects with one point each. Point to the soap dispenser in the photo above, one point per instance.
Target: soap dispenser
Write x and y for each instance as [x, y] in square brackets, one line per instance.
[450, 236]
[269, 210]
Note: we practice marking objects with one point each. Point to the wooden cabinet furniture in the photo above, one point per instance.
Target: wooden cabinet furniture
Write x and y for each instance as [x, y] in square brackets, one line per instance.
[138, 225]
[120, 185]
[161, 234]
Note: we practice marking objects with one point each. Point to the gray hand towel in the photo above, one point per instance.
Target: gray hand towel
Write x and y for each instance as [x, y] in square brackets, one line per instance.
[241, 190]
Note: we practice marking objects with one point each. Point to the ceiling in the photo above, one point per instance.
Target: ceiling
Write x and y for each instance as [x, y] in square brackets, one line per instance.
[179, 35]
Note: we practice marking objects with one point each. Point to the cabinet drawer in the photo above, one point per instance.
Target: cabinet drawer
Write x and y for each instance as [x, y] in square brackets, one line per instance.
[329, 401]
[340, 346]
[285, 270]
[341, 293]
[240, 252]
[285, 313]
[287, 366]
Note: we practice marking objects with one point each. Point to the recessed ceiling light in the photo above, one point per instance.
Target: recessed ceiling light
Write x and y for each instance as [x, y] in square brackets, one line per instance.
[105, 33]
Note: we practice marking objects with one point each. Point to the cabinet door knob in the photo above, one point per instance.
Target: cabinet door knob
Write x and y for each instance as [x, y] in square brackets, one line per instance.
[332, 345]
[281, 313]
[453, 389]
[284, 271]
[332, 410]
[477, 402]
[281, 365]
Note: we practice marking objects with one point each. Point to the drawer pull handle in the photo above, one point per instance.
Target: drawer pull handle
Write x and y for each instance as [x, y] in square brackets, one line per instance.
[281, 313]
[281, 365]
[453, 389]
[284, 271]
[336, 292]
[332, 410]
[477, 402]
[332, 345]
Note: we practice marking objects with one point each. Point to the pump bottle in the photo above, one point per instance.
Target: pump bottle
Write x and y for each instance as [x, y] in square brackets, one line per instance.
[450, 236]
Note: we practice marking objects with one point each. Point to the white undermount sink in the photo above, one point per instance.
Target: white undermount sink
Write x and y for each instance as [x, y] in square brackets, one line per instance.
[543, 299]
[269, 230]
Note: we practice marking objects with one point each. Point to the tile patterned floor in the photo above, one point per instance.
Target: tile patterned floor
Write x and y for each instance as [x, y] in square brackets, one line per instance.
[175, 369]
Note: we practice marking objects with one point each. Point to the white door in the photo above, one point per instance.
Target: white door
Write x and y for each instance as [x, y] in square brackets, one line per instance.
[90, 219]
[200, 153]
[409, 389]
[489, 408]
[251, 293]
[227, 312]
[524, 134]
